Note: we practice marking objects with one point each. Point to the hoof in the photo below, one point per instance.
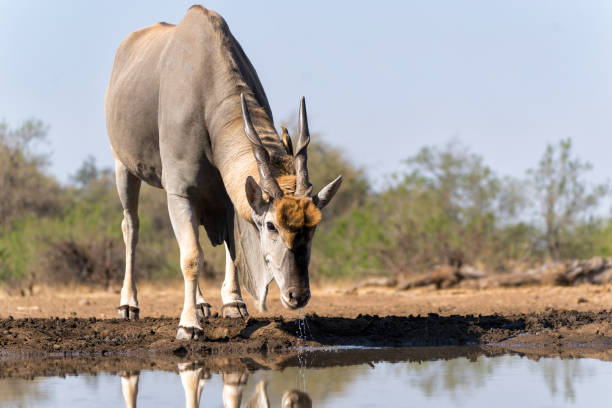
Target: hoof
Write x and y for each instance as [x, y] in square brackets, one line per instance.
[124, 373]
[235, 379]
[128, 312]
[203, 310]
[190, 366]
[188, 333]
[234, 309]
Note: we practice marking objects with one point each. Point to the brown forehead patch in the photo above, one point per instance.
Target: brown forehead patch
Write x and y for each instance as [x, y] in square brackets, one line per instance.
[293, 213]
[286, 183]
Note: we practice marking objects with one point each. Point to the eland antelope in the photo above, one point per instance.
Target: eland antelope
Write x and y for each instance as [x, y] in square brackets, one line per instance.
[186, 112]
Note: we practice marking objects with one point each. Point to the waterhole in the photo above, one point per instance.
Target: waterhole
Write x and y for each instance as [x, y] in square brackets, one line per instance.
[334, 377]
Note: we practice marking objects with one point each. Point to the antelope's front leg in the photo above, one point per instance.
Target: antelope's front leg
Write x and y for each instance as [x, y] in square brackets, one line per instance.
[233, 386]
[193, 380]
[260, 398]
[233, 305]
[129, 388]
[185, 225]
[202, 306]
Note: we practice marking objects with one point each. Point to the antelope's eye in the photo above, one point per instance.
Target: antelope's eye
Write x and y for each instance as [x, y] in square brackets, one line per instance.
[270, 226]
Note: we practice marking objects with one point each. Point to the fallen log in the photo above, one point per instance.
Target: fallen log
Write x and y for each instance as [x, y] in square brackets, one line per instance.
[597, 270]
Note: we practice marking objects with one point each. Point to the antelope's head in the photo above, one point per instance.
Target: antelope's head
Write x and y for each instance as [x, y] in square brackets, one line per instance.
[286, 220]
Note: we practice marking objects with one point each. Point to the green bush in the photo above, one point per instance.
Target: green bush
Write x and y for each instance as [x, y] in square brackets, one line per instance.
[445, 206]
[350, 246]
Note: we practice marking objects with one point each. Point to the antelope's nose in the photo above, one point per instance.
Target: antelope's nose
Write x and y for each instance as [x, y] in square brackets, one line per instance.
[296, 298]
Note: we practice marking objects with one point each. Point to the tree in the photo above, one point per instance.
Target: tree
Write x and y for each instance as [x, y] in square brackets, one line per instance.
[87, 173]
[325, 163]
[563, 195]
[449, 207]
[25, 188]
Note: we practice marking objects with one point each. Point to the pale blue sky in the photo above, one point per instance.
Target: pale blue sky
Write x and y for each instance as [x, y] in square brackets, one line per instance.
[381, 78]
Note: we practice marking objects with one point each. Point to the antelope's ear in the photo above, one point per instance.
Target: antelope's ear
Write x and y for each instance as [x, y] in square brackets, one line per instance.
[327, 193]
[287, 141]
[254, 196]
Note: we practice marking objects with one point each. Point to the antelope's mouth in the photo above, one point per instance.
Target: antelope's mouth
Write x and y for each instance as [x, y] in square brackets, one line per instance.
[292, 299]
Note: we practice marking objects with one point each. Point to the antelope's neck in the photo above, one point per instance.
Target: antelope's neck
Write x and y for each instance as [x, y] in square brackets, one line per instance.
[232, 151]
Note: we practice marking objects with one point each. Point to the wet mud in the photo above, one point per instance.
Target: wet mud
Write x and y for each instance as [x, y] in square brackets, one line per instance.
[255, 343]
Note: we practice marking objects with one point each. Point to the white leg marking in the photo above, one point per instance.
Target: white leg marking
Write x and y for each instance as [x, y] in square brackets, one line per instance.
[230, 290]
[185, 227]
[201, 385]
[260, 398]
[129, 388]
[199, 296]
[233, 385]
[128, 187]
[191, 385]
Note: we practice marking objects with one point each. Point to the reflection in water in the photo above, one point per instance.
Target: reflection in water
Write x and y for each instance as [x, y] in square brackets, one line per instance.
[194, 378]
[451, 375]
[15, 389]
[457, 375]
[296, 399]
[561, 376]
[129, 388]
[456, 381]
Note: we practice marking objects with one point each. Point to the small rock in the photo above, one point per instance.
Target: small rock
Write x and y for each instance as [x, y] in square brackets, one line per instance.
[56, 347]
[84, 302]
[28, 308]
[582, 300]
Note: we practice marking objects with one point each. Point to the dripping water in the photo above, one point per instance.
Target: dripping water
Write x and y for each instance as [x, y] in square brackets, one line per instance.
[303, 333]
[303, 330]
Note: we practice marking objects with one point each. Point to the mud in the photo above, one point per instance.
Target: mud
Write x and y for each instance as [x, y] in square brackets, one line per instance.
[535, 322]
[556, 332]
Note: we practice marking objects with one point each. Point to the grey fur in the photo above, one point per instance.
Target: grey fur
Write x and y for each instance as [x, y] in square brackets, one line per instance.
[174, 120]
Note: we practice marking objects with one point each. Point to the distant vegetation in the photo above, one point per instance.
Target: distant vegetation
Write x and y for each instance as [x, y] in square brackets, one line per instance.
[445, 206]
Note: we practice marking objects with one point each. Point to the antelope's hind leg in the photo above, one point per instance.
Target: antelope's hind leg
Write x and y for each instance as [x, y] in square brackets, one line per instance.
[185, 225]
[128, 187]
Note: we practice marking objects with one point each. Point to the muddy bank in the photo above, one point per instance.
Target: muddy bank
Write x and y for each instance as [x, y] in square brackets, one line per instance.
[555, 330]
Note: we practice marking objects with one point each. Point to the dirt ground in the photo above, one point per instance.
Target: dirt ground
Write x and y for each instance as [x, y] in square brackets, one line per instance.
[536, 321]
[164, 301]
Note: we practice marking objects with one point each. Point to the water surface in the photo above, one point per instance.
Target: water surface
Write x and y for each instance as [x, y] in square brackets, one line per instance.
[472, 381]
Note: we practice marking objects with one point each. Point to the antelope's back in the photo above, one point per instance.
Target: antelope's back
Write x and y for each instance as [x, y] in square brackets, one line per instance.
[131, 102]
